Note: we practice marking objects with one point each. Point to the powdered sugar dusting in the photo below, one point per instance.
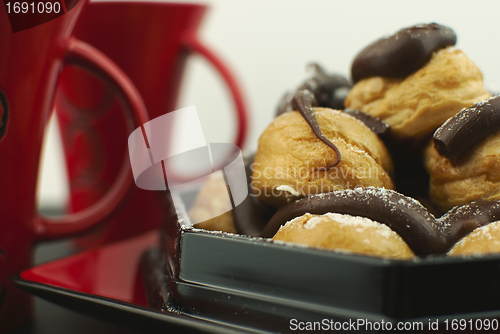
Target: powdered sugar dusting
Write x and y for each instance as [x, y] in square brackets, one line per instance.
[462, 117]
[311, 223]
[487, 234]
[390, 196]
[359, 223]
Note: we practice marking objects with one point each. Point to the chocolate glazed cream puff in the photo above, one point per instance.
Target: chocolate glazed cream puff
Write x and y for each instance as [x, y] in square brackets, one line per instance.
[292, 162]
[345, 233]
[414, 80]
[463, 159]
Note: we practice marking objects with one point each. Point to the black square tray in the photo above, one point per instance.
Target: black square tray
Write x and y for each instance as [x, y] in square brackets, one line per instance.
[263, 285]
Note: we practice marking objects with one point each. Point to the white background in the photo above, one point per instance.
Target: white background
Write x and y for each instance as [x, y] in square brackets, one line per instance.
[267, 44]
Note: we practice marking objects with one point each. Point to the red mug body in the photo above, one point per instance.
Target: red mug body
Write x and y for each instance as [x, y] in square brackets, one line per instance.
[30, 64]
[150, 42]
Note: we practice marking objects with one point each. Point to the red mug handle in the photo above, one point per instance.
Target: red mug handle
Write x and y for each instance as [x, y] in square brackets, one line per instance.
[192, 44]
[84, 55]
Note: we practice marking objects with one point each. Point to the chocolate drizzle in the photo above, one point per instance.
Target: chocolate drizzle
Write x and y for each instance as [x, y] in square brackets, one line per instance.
[304, 101]
[470, 126]
[423, 233]
[403, 53]
[321, 90]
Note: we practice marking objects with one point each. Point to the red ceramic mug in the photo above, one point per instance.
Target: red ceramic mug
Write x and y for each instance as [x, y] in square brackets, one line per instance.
[150, 42]
[30, 64]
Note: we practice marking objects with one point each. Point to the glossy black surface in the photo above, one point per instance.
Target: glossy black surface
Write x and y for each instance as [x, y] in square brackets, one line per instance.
[307, 283]
[235, 284]
[142, 319]
[315, 282]
[51, 318]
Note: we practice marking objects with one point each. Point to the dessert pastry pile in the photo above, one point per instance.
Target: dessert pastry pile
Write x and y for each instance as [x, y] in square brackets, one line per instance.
[401, 161]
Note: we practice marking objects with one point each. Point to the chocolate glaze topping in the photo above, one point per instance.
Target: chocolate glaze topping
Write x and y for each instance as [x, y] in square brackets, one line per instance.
[462, 220]
[466, 129]
[374, 123]
[403, 53]
[303, 102]
[423, 233]
[251, 215]
[329, 90]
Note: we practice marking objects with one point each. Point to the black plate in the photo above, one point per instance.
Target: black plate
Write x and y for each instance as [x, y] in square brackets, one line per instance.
[219, 282]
